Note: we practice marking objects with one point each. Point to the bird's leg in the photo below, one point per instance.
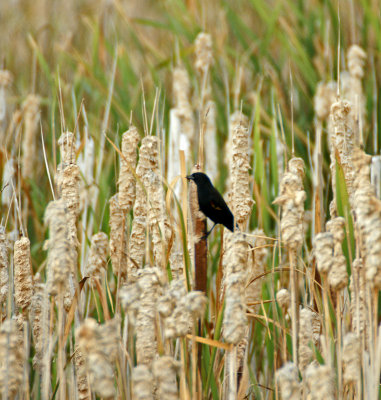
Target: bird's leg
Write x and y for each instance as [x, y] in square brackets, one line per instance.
[208, 233]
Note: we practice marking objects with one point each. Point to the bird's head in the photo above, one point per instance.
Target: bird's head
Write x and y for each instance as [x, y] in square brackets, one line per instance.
[199, 178]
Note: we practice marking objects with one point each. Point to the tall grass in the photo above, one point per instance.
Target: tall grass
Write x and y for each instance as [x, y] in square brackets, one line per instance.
[107, 288]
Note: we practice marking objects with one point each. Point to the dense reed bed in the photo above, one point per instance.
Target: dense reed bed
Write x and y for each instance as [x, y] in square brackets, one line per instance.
[108, 287]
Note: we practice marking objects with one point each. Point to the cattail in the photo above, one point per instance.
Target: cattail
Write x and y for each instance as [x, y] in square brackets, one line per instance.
[309, 330]
[337, 276]
[130, 295]
[324, 252]
[94, 342]
[3, 265]
[291, 198]
[31, 111]
[8, 185]
[351, 358]
[342, 144]
[170, 299]
[367, 209]
[23, 273]
[83, 389]
[40, 321]
[61, 257]
[287, 379]
[177, 264]
[240, 197]
[70, 195]
[234, 324]
[186, 309]
[11, 358]
[142, 382]
[181, 122]
[203, 50]
[118, 238]
[283, 298]
[356, 63]
[253, 291]
[325, 96]
[148, 161]
[358, 307]
[97, 262]
[157, 218]
[146, 345]
[164, 370]
[127, 191]
[67, 148]
[5, 80]
[320, 380]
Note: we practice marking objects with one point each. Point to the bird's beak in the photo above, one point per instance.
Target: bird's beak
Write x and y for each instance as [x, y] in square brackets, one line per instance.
[190, 178]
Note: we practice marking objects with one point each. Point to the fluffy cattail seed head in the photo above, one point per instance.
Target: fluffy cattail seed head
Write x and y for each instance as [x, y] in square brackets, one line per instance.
[23, 273]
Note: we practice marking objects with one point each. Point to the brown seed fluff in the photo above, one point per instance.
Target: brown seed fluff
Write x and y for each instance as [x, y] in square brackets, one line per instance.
[287, 379]
[291, 198]
[127, 182]
[12, 358]
[164, 370]
[234, 324]
[97, 262]
[239, 195]
[23, 273]
[31, 111]
[3, 265]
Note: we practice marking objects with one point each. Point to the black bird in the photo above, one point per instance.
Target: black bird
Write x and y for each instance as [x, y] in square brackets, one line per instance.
[211, 203]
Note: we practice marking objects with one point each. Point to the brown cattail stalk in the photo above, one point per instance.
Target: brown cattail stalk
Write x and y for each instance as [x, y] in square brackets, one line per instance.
[23, 273]
[199, 237]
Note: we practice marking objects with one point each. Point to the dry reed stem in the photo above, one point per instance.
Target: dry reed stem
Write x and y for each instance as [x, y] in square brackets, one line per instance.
[5, 81]
[199, 239]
